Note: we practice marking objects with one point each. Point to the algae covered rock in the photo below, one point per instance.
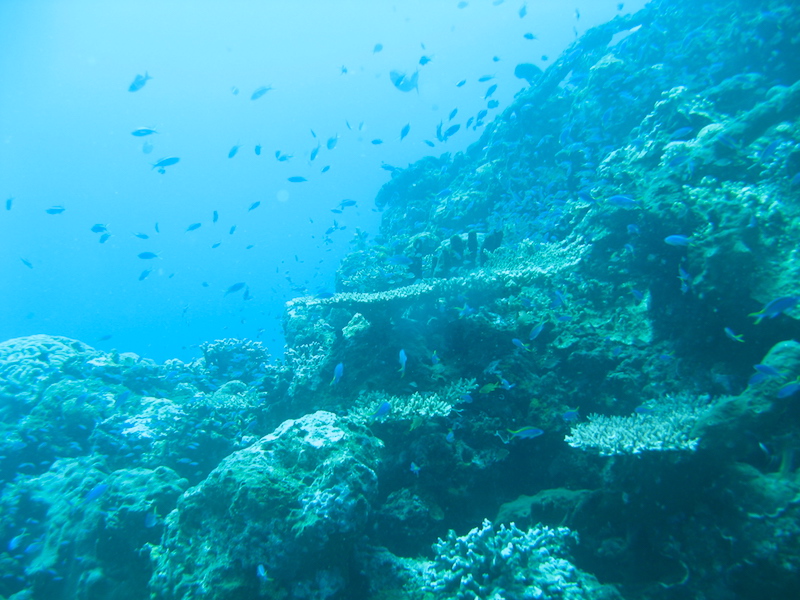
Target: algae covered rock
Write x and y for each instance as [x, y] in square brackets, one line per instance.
[279, 515]
[80, 532]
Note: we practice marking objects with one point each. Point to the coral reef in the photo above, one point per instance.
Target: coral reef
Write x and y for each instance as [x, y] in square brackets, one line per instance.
[506, 562]
[620, 243]
[295, 496]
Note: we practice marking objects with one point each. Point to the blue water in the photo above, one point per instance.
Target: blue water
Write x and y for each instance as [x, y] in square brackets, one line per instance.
[66, 118]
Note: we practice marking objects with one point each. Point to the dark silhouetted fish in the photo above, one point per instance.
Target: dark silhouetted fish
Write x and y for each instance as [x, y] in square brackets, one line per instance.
[260, 92]
[166, 162]
[138, 82]
[143, 131]
[235, 288]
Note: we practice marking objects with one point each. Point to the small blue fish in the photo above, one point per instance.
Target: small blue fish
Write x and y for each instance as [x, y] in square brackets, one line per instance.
[144, 274]
[260, 92]
[622, 201]
[99, 228]
[96, 492]
[104, 238]
[27, 263]
[314, 152]
[332, 141]
[415, 469]
[376, 142]
[214, 217]
[681, 134]
[402, 359]
[138, 82]
[254, 205]
[143, 131]
[451, 130]
[194, 227]
[232, 229]
[424, 60]
[166, 162]
[529, 36]
[261, 573]
[790, 389]
[147, 255]
[16, 541]
[234, 150]
[9, 203]
[338, 371]
[141, 236]
[381, 411]
[677, 240]
[150, 519]
[377, 48]
[258, 149]
[733, 336]
[492, 89]
[643, 410]
[526, 433]
[461, 83]
[55, 210]
[235, 288]
[571, 415]
[404, 131]
[297, 179]
[536, 331]
[775, 307]
[768, 370]
[435, 358]
[520, 344]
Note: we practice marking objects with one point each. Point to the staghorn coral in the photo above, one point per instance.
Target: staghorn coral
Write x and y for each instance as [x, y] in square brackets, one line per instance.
[511, 564]
[667, 427]
[418, 405]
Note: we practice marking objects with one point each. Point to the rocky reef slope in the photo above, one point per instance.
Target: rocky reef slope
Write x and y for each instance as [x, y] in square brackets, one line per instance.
[564, 369]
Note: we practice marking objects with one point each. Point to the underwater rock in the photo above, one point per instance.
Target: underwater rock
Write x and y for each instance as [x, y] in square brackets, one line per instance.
[282, 514]
[91, 528]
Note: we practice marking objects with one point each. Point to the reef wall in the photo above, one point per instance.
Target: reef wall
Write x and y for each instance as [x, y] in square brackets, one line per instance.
[555, 331]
